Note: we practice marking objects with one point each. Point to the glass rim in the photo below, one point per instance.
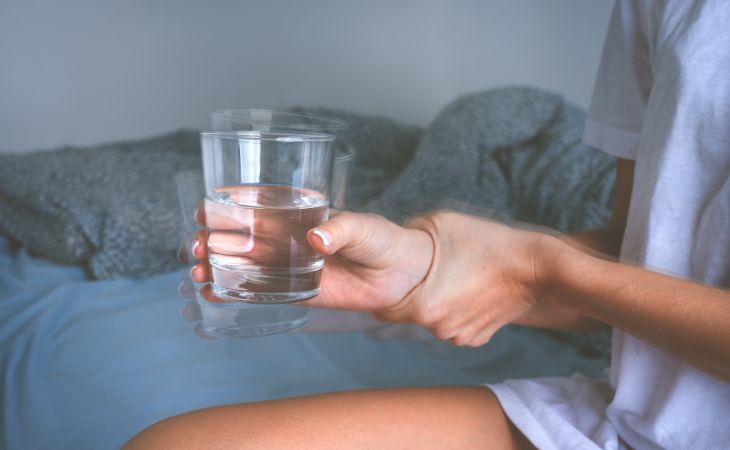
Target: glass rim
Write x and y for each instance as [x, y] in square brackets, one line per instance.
[325, 122]
[276, 136]
[347, 153]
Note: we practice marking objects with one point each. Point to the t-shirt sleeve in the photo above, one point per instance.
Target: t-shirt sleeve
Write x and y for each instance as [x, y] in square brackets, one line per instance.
[614, 119]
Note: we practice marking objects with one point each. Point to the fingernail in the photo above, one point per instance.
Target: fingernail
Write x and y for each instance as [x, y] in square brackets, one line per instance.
[192, 269]
[195, 214]
[324, 236]
[196, 244]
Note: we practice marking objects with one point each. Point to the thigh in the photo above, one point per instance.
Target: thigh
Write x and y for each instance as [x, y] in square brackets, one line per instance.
[435, 417]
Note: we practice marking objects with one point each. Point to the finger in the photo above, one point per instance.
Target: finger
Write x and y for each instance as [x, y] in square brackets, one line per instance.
[199, 247]
[483, 337]
[200, 273]
[230, 216]
[191, 312]
[186, 289]
[338, 231]
[207, 293]
[183, 254]
[253, 249]
[230, 243]
[354, 235]
[200, 213]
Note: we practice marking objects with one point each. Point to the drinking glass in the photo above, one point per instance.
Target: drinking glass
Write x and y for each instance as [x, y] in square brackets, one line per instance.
[215, 317]
[251, 119]
[263, 191]
[341, 170]
[224, 319]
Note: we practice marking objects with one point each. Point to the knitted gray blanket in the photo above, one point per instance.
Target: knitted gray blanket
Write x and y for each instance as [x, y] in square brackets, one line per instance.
[111, 208]
[509, 152]
[506, 153]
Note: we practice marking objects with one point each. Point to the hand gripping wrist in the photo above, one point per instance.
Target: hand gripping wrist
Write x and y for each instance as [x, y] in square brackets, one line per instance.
[404, 310]
[482, 276]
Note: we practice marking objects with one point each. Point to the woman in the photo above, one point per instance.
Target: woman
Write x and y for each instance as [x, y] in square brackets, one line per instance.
[662, 105]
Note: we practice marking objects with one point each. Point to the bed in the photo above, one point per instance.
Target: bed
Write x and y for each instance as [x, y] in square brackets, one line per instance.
[88, 362]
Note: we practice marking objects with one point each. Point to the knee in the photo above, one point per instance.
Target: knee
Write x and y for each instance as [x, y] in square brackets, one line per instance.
[175, 432]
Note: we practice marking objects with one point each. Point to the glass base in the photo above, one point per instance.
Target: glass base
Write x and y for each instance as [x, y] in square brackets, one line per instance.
[241, 320]
[258, 297]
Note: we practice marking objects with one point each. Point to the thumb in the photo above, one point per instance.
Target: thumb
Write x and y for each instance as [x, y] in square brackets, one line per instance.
[360, 237]
[343, 230]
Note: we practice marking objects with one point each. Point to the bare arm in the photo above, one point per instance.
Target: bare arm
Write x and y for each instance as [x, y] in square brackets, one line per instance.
[606, 242]
[684, 318]
[485, 275]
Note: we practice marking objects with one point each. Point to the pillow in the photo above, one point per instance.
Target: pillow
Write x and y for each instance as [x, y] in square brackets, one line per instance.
[112, 208]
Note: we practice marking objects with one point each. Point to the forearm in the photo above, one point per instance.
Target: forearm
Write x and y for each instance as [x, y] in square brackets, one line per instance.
[687, 319]
[556, 317]
[606, 242]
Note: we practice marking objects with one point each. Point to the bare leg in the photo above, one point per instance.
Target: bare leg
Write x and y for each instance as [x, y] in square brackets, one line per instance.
[437, 417]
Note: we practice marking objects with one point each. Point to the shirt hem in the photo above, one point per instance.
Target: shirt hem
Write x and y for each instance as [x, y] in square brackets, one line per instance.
[614, 141]
[520, 416]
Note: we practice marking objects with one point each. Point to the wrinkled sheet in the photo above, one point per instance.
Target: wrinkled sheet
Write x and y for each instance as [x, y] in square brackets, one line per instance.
[88, 364]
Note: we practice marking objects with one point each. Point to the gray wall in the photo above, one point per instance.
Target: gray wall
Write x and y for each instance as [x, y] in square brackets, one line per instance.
[86, 71]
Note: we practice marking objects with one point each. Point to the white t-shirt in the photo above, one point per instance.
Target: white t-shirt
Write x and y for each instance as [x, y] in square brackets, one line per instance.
[662, 98]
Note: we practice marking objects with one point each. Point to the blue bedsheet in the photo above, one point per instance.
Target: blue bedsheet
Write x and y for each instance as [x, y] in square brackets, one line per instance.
[87, 365]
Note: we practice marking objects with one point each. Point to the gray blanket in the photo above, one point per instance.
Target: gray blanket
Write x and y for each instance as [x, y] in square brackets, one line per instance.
[506, 153]
[509, 152]
[111, 208]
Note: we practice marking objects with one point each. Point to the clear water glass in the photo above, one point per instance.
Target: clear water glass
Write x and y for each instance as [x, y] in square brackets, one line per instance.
[214, 316]
[263, 191]
[251, 119]
[223, 319]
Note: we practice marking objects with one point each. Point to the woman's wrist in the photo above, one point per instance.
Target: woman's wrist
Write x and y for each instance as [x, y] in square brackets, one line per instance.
[421, 251]
[416, 248]
[554, 263]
